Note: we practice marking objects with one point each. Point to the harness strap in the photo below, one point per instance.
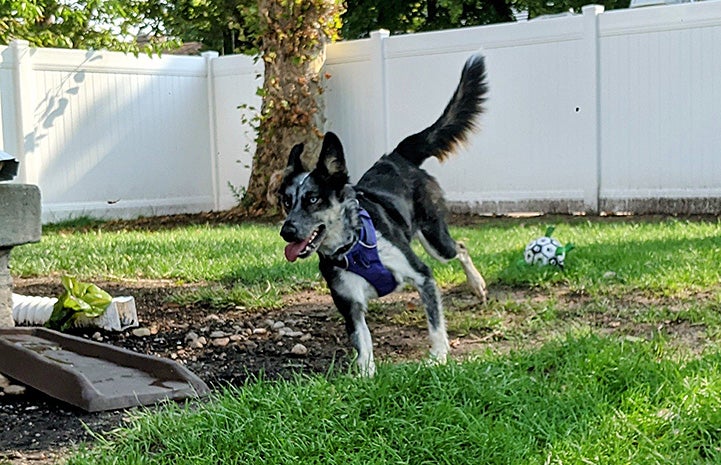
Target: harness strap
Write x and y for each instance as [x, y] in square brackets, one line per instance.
[363, 260]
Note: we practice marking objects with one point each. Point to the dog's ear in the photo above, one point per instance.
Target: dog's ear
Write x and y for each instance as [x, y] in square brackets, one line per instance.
[331, 161]
[295, 165]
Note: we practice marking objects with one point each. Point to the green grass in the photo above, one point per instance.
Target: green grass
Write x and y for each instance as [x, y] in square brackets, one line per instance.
[581, 399]
[251, 254]
[667, 258]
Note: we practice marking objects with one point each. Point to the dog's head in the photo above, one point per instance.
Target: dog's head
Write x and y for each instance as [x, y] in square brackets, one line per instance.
[319, 205]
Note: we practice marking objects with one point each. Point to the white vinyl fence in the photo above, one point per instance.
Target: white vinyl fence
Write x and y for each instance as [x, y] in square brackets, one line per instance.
[603, 111]
[614, 111]
[113, 135]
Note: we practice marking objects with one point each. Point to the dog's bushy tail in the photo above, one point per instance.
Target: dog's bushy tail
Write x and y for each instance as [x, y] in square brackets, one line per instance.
[457, 121]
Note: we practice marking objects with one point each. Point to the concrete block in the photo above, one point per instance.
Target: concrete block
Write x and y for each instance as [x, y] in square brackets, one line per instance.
[19, 214]
[6, 291]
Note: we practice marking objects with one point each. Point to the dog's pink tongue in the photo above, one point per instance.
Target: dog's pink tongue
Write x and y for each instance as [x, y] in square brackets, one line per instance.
[294, 249]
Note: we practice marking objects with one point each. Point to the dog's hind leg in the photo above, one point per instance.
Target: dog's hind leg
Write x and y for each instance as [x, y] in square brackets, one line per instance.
[438, 242]
[431, 299]
[474, 278]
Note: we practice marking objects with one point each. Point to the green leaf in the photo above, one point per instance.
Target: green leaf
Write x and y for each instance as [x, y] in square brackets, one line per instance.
[78, 299]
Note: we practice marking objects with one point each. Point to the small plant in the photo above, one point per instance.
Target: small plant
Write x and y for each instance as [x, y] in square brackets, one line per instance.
[237, 191]
[78, 299]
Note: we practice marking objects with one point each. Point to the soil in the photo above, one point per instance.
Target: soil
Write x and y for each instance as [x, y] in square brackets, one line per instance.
[39, 430]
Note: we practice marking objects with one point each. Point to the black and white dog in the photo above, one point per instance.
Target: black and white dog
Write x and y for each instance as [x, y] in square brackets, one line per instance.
[363, 233]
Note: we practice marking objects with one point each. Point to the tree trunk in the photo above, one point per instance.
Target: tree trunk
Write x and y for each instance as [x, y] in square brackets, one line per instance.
[294, 34]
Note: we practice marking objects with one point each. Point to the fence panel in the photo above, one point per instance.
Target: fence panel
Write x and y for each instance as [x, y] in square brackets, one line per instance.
[236, 79]
[534, 149]
[354, 100]
[661, 114]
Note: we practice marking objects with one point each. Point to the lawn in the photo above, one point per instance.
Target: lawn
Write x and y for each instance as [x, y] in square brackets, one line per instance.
[668, 257]
[565, 391]
[578, 400]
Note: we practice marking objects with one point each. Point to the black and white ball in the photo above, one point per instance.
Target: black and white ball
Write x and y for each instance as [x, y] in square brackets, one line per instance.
[545, 251]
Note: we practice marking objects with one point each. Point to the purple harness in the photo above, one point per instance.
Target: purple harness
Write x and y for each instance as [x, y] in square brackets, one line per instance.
[363, 259]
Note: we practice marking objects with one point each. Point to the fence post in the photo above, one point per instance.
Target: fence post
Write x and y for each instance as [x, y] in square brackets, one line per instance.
[380, 82]
[212, 126]
[24, 96]
[593, 78]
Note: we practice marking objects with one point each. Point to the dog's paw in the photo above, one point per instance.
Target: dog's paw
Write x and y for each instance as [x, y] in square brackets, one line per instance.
[478, 286]
[438, 359]
[439, 353]
[366, 369]
[474, 278]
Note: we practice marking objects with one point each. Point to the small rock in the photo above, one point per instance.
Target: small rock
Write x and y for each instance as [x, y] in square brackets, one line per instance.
[237, 337]
[212, 317]
[268, 323]
[221, 341]
[174, 356]
[191, 336]
[278, 325]
[14, 390]
[4, 382]
[609, 275]
[250, 345]
[293, 333]
[217, 334]
[195, 345]
[299, 349]
[141, 332]
[306, 337]
[97, 336]
[259, 331]
[202, 340]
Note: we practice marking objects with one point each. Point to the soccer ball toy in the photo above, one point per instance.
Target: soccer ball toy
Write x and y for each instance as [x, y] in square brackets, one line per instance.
[546, 251]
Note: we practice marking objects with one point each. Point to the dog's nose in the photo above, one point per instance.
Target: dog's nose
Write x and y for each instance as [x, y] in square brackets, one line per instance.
[289, 232]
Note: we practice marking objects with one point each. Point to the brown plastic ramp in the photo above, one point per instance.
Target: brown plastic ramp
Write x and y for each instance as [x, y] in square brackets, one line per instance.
[91, 375]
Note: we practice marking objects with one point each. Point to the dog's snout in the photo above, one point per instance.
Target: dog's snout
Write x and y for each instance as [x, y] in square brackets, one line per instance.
[289, 232]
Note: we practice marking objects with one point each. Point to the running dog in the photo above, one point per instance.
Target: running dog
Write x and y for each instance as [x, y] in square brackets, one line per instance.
[363, 233]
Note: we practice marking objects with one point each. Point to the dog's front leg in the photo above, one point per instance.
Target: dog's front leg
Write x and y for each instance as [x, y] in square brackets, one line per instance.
[358, 332]
[361, 340]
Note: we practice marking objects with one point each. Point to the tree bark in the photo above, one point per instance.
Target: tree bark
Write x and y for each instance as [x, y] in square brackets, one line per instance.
[294, 34]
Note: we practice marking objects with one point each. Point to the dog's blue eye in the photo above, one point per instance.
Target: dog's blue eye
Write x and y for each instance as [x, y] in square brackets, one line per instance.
[312, 199]
[287, 202]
